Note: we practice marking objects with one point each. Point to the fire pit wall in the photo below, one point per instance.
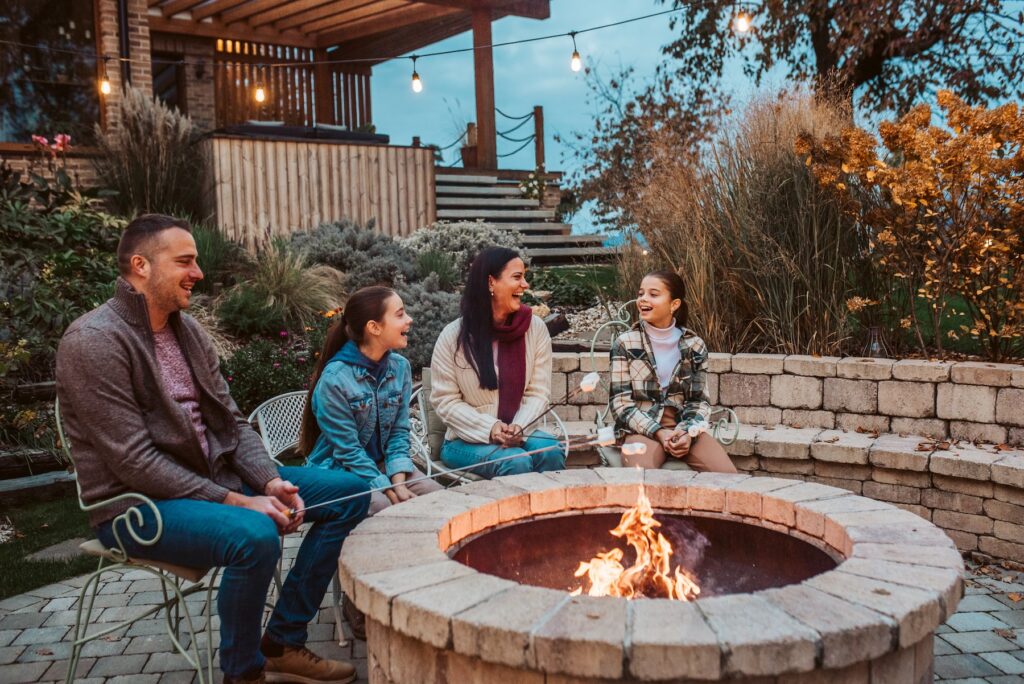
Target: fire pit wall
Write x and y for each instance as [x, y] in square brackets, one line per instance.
[871, 619]
[884, 429]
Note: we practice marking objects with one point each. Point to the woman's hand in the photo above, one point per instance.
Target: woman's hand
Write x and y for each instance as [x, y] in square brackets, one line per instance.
[513, 436]
[498, 431]
[679, 444]
[664, 435]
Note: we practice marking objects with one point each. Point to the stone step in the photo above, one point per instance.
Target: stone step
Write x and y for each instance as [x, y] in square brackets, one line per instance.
[499, 190]
[486, 202]
[464, 179]
[570, 254]
[539, 228]
[533, 240]
[511, 214]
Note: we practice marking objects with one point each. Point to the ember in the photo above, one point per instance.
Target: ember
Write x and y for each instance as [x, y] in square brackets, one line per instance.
[649, 576]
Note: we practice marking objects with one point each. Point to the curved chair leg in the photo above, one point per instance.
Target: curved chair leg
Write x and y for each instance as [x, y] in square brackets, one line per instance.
[336, 606]
[92, 583]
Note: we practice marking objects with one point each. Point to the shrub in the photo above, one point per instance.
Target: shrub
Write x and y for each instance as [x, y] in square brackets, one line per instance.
[365, 256]
[151, 158]
[283, 293]
[461, 240]
[767, 254]
[264, 368]
[565, 291]
[440, 264]
[431, 309]
[220, 258]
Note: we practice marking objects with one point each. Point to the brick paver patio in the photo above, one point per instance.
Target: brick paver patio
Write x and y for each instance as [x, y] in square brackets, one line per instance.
[982, 643]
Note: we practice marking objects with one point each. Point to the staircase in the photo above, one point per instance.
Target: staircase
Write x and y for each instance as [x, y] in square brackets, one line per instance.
[472, 197]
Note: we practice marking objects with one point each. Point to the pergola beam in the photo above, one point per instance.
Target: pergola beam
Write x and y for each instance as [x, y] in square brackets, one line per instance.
[174, 6]
[215, 29]
[530, 9]
[309, 16]
[386, 21]
[214, 8]
[364, 12]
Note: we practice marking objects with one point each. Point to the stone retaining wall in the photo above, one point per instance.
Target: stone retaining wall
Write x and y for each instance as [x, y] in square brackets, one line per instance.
[973, 401]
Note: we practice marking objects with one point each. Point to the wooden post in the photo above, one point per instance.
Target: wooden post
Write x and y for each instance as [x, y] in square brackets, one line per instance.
[483, 69]
[538, 136]
[322, 92]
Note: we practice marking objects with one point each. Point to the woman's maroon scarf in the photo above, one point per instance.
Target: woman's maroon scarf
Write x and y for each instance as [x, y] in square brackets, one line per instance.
[511, 339]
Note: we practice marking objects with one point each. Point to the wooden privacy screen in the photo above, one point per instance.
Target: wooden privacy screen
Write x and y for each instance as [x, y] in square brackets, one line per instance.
[291, 86]
[269, 188]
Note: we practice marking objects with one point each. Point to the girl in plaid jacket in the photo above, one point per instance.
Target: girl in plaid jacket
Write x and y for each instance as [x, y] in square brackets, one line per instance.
[658, 394]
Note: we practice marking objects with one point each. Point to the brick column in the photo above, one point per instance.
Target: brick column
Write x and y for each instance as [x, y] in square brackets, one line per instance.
[109, 46]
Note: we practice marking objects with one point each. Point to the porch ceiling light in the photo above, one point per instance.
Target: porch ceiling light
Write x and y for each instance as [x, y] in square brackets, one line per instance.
[575, 63]
[260, 95]
[417, 84]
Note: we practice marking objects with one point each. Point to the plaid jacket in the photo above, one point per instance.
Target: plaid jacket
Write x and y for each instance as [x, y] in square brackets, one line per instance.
[635, 395]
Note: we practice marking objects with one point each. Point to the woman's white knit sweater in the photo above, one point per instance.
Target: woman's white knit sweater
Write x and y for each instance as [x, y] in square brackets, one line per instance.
[470, 411]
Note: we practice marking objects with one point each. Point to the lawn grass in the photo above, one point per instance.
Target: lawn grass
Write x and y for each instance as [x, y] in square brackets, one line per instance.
[596, 276]
[39, 525]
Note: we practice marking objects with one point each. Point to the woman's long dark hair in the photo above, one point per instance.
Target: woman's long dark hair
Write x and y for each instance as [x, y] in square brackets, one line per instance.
[676, 290]
[475, 337]
[365, 305]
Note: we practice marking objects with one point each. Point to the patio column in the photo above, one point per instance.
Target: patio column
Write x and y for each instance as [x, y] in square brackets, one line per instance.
[483, 68]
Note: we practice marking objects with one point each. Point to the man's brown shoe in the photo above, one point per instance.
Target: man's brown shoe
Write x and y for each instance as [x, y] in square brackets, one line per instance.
[256, 677]
[290, 664]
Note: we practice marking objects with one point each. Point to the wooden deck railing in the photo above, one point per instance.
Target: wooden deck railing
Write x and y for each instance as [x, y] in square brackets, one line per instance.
[268, 188]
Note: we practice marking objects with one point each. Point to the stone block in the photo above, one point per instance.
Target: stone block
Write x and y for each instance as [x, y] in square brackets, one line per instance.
[906, 478]
[1009, 531]
[977, 432]
[918, 370]
[759, 637]
[1007, 494]
[899, 453]
[845, 471]
[744, 498]
[849, 633]
[815, 366]
[965, 522]
[1001, 548]
[670, 639]
[854, 396]
[1000, 510]
[744, 444]
[983, 373]
[373, 593]
[498, 629]
[858, 422]
[893, 493]
[746, 463]
[785, 442]
[973, 403]
[600, 362]
[425, 614]
[849, 485]
[958, 484]
[1010, 407]
[568, 411]
[796, 391]
[896, 668]
[787, 467]
[908, 399]
[754, 364]
[1017, 376]
[758, 415]
[968, 463]
[585, 637]
[711, 385]
[826, 420]
[564, 362]
[916, 612]
[1015, 437]
[952, 501]
[719, 362]
[933, 428]
[735, 389]
[917, 509]
[559, 384]
[965, 541]
[936, 556]
[598, 396]
[864, 369]
[841, 447]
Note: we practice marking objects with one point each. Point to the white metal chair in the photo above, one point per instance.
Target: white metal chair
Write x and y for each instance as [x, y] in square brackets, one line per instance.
[724, 428]
[173, 579]
[428, 435]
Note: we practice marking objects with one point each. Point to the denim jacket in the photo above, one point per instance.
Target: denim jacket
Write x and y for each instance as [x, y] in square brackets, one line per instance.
[347, 403]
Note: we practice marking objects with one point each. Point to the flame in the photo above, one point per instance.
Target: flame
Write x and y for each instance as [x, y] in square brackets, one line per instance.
[650, 575]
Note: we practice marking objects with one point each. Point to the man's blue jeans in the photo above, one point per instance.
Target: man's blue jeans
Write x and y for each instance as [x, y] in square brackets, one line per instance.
[247, 545]
[457, 453]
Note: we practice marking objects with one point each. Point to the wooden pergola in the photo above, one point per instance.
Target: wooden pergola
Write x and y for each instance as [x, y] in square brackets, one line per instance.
[355, 29]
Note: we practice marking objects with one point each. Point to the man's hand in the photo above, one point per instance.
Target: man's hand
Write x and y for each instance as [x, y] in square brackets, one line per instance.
[288, 494]
[268, 505]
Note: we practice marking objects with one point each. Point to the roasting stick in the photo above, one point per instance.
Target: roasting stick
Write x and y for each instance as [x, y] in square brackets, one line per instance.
[605, 437]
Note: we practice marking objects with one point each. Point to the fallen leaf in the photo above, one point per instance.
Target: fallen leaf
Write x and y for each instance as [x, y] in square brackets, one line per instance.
[1005, 633]
[832, 440]
[881, 592]
[1004, 447]
[43, 651]
[1015, 597]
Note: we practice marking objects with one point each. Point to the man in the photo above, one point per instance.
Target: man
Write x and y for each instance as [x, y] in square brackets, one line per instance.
[147, 410]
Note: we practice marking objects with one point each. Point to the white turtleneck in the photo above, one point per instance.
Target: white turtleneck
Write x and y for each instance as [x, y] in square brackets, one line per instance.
[665, 343]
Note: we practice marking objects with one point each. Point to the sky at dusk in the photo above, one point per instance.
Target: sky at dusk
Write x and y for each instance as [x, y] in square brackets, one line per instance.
[526, 75]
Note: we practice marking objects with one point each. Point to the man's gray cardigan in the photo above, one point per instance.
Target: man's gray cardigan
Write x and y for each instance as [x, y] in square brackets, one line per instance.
[127, 434]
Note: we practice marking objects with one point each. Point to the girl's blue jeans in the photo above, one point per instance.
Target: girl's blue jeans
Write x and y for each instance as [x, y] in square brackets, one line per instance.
[247, 545]
[457, 453]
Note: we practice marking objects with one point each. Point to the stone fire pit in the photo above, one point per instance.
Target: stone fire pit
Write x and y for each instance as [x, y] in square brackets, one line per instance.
[869, 619]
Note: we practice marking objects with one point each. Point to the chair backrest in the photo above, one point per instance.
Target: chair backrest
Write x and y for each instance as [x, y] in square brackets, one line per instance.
[435, 427]
[279, 421]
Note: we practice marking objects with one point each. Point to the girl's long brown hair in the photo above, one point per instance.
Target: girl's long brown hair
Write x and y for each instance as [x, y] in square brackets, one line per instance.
[676, 290]
[365, 305]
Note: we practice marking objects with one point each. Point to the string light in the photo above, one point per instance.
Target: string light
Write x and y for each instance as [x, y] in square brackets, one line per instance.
[104, 81]
[575, 63]
[261, 94]
[417, 84]
[742, 21]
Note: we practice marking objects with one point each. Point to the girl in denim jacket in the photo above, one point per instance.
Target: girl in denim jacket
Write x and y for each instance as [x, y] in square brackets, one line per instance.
[357, 413]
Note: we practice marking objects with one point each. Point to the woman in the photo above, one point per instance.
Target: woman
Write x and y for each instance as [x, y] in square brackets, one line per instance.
[491, 374]
[658, 394]
[357, 413]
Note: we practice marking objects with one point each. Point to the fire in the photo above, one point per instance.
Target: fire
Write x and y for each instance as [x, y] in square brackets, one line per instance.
[650, 575]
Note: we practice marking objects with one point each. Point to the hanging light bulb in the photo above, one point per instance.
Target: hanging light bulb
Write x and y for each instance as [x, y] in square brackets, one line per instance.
[742, 22]
[417, 84]
[104, 81]
[575, 63]
[260, 95]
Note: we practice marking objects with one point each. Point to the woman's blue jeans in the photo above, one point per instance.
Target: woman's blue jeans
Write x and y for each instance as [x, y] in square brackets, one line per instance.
[247, 545]
[457, 453]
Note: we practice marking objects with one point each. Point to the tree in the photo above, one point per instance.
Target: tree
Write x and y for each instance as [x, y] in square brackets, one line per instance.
[892, 53]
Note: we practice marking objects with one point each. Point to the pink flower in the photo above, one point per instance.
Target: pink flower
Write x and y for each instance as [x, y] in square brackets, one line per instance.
[283, 333]
[277, 365]
[62, 142]
[40, 140]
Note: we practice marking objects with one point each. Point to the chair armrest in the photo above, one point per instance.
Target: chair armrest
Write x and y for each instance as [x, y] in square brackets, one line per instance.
[132, 517]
